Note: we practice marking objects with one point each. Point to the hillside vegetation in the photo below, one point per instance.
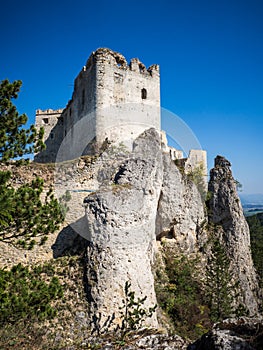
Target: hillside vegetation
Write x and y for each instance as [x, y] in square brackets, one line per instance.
[255, 223]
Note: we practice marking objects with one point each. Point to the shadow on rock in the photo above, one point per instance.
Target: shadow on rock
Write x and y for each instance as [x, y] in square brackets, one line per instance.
[69, 242]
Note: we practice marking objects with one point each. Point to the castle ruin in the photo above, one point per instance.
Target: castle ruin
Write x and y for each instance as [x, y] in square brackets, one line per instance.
[128, 208]
[112, 100]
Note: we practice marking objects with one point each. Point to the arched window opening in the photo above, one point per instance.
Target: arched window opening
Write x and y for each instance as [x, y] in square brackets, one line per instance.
[144, 94]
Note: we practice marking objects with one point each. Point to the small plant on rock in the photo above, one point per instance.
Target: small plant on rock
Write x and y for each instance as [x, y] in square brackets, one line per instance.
[133, 314]
[197, 175]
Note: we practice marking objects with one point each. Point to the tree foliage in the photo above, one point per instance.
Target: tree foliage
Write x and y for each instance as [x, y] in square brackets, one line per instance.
[221, 289]
[181, 296]
[133, 314]
[239, 186]
[15, 141]
[195, 298]
[24, 294]
[24, 218]
[255, 223]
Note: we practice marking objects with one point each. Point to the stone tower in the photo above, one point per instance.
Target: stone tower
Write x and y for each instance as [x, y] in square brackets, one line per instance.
[111, 99]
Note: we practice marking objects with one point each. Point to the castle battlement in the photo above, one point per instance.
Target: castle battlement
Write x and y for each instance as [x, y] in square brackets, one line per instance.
[118, 60]
[48, 111]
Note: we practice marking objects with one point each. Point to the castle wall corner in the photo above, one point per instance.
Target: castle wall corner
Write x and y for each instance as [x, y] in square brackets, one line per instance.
[111, 99]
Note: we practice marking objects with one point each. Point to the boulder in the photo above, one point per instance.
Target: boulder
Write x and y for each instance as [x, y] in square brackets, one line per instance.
[232, 334]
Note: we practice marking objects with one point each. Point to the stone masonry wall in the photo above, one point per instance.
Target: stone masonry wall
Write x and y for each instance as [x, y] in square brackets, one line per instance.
[128, 97]
[111, 99]
[52, 122]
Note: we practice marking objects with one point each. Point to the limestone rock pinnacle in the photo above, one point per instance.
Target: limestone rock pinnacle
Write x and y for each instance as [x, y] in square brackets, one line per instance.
[121, 232]
[226, 212]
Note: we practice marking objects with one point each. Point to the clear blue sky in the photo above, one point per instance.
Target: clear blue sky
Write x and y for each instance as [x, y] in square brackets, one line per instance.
[210, 53]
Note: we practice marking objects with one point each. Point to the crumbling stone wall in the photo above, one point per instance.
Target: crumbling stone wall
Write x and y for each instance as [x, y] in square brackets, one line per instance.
[51, 121]
[111, 99]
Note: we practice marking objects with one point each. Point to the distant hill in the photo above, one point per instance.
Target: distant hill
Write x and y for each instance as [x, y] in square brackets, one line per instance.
[251, 199]
[252, 203]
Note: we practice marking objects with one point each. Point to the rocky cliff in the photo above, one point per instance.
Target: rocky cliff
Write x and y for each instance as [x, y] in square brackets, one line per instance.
[121, 231]
[225, 211]
[146, 197]
[138, 201]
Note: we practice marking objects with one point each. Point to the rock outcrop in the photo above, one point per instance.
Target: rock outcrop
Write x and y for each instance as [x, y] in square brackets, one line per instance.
[180, 211]
[141, 340]
[146, 197]
[232, 334]
[226, 212]
[121, 232]
[136, 199]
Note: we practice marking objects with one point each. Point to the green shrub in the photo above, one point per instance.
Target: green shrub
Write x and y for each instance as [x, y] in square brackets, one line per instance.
[197, 175]
[133, 314]
[221, 287]
[24, 294]
[255, 223]
[182, 298]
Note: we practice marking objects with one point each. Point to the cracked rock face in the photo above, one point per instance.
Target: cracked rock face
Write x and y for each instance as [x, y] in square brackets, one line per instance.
[226, 211]
[148, 197]
[144, 197]
[180, 209]
[121, 232]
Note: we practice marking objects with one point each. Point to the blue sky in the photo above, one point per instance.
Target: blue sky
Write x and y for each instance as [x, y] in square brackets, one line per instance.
[210, 54]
